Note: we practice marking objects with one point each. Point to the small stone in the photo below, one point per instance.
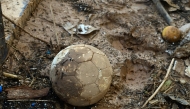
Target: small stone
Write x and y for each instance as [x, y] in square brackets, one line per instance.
[182, 81]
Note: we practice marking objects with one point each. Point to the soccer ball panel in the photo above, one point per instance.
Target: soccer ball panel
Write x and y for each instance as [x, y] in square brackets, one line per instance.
[67, 87]
[87, 73]
[107, 72]
[59, 57]
[63, 53]
[96, 98]
[100, 61]
[67, 68]
[80, 54]
[103, 83]
[90, 90]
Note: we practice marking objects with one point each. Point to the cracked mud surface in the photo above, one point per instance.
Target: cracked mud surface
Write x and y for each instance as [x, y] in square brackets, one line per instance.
[129, 34]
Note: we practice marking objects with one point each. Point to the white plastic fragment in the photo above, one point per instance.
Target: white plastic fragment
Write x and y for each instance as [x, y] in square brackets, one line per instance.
[185, 28]
[85, 29]
[187, 71]
[79, 29]
[182, 81]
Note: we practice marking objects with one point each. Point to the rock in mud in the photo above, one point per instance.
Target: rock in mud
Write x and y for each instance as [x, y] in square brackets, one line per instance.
[182, 51]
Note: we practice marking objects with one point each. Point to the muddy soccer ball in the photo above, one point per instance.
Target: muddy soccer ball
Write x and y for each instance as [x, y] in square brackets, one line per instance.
[81, 75]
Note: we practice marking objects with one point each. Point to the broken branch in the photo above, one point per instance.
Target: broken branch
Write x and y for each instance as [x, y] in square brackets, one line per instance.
[165, 78]
[12, 75]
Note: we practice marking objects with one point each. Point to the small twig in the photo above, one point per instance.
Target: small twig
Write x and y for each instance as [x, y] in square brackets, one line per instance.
[16, 56]
[163, 12]
[24, 30]
[165, 78]
[32, 81]
[12, 75]
[54, 26]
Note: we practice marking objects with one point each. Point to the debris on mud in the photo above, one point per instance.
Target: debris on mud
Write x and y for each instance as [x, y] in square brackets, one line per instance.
[130, 35]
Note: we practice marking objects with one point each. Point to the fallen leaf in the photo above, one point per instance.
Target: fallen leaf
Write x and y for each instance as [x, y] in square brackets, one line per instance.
[166, 85]
[172, 4]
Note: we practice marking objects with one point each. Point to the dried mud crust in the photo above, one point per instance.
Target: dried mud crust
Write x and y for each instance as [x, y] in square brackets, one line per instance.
[129, 35]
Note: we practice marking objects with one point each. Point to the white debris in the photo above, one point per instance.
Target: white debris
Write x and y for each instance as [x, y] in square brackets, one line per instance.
[187, 71]
[85, 29]
[79, 29]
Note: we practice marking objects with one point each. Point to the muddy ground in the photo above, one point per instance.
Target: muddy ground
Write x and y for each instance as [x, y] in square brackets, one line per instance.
[128, 32]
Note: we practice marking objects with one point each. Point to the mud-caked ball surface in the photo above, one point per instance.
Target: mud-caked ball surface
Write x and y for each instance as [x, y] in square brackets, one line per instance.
[81, 75]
